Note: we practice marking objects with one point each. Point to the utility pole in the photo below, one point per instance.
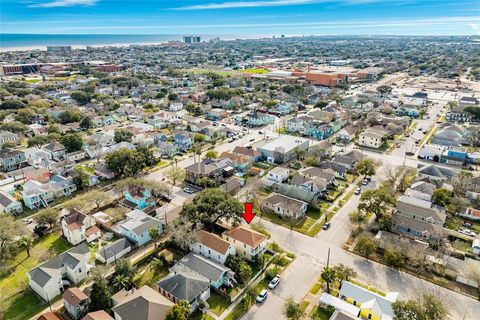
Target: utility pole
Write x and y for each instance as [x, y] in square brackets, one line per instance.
[328, 257]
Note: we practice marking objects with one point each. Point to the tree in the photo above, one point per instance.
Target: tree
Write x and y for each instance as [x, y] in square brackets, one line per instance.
[299, 152]
[125, 162]
[86, 122]
[329, 276]
[462, 182]
[376, 201]
[384, 90]
[211, 154]
[394, 258]
[25, 115]
[180, 311]
[205, 182]
[125, 268]
[344, 273]
[121, 135]
[211, 205]
[26, 242]
[121, 281]
[199, 138]
[69, 116]
[311, 161]
[366, 166]
[157, 265]
[147, 153]
[175, 174]
[429, 307]
[100, 298]
[365, 245]
[441, 197]
[72, 142]
[245, 272]
[81, 97]
[154, 234]
[47, 216]
[291, 310]
[12, 104]
[321, 104]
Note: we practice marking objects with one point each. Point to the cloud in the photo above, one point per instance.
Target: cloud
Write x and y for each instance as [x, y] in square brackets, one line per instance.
[474, 26]
[64, 3]
[268, 3]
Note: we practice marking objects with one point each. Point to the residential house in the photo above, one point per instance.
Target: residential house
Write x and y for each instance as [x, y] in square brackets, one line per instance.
[278, 174]
[449, 136]
[9, 204]
[418, 218]
[56, 150]
[37, 195]
[476, 247]
[113, 251]
[217, 274]
[183, 141]
[369, 304]
[315, 172]
[212, 246]
[168, 150]
[232, 185]
[431, 152]
[371, 138]
[7, 136]
[70, 267]
[52, 315]
[435, 173]
[136, 226]
[283, 148]
[217, 170]
[103, 172]
[97, 315]
[78, 227]
[241, 163]
[248, 242]
[185, 285]
[348, 160]
[346, 134]
[316, 185]
[137, 197]
[75, 302]
[142, 304]
[38, 157]
[75, 156]
[421, 190]
[339, 169]
[285, 206]
[257, 118]
[254, 155]
[11, 159]
[459, 114]
[470, 214]
[456, 156]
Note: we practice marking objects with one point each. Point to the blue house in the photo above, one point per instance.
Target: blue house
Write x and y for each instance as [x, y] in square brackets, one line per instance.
[137, 197]
[136, 226]
[11, 159]
[218, 274]
[183, 141]
[283, 109]
[411, 112]
[454, 156]
[256, 119]
[160, 138]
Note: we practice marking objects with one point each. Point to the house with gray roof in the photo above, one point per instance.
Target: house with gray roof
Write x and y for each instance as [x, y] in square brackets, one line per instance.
[113, 251]
[434, 172]
[9, 204]
[70, 267]
[285, 206]
[185, 285]
[218, 274]
[142, 304]
[56, 150]
[135, 227]
[11, 159]
[418, 218]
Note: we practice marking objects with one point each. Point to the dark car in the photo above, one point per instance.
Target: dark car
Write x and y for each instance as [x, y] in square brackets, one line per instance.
[165, 197]
[326, 226]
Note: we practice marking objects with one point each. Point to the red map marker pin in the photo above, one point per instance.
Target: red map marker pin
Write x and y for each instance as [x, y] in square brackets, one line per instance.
[248, 215]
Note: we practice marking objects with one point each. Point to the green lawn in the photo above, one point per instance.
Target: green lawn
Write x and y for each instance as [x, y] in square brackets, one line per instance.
[201, 316]
[454, 223]
[254, 71]
[217, 304]
[302, 226]
[304, 305]
[320, 314]
[314, 212]
[315, 288]
[48, 246]
[22, 306]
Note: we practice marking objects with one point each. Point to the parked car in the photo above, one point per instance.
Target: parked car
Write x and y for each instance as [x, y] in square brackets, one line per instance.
[326, 226]
[358, 190]
[365, 182]
[165, 197]
[274, 283]
[27, 221]
[188, 190]
[262, 296]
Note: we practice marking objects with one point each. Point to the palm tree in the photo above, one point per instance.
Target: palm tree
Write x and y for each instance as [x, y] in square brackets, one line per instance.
[291, 310]
[154, 234]
[121, 281]
[328, 275]
[157, 265]
[27, 243]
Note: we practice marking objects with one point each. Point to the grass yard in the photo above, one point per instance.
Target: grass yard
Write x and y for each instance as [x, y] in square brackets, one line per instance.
[217, 304]
[304, 305]
[314, 212]
[147, 275]
[315, 288]
[48, 246]
[302, 227]
[22, 306]
[201, 316]
[320, 314]
[454, 223]
[254, 71]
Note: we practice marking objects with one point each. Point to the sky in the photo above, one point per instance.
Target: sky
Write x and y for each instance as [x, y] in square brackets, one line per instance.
[242, 17]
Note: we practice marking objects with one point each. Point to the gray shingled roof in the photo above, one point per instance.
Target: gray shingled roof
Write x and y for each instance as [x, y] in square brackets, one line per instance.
[184, 285]
[114, 248]
[211, 270]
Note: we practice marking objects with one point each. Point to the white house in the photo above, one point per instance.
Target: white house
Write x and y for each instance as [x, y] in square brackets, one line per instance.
[75, 302]
[78, 227]
[285, 206]
[248, 243]
[9, 205]
[371, 138]
[113, 251]
[47, 279]
[213, 247]
[278, 174]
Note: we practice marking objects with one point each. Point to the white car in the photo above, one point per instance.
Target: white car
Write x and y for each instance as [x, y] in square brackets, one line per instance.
[27, 221]
[274, 283]
[262, 296]
[188, 190]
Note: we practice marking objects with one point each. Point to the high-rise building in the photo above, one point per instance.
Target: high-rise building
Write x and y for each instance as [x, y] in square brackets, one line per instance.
[192, 39]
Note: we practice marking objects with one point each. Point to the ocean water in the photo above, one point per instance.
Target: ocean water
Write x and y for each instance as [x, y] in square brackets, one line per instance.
[41, 41]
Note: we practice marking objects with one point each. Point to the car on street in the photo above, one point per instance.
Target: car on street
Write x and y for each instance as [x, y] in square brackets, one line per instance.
[27, 220]
[467, 232]
[326, 226]
[188, 190]
[274, 283]
[262, 296]
[358, 190]
[165, 197]
[365, 182]
[251, 140]
[260, 132]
